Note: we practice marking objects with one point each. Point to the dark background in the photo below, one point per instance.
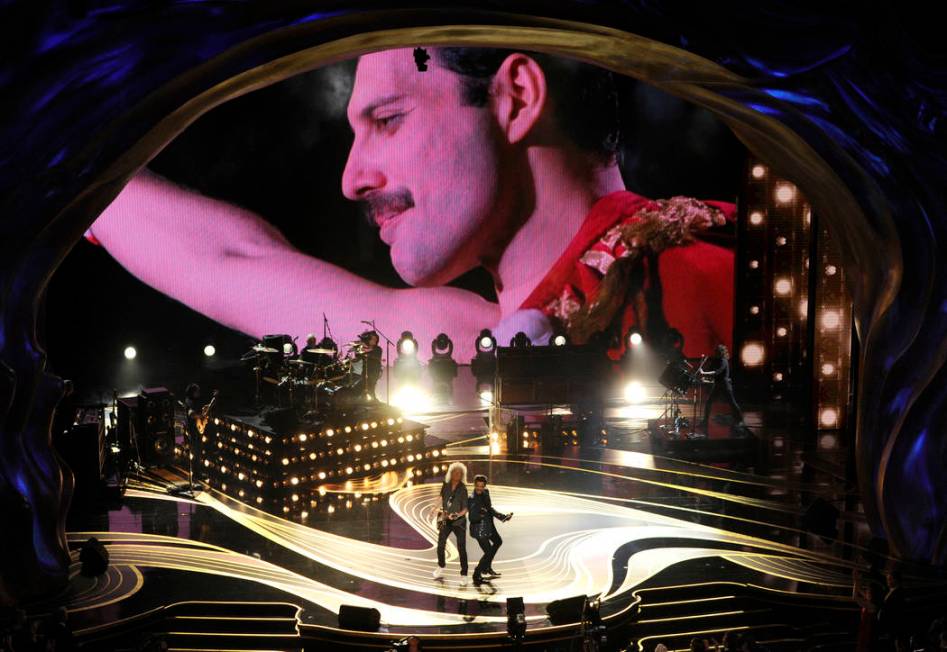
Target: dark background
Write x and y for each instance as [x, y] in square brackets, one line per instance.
[280, 152]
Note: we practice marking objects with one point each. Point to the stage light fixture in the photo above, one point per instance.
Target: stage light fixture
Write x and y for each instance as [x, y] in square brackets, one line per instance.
[785, 193]
[443, 367]
[521, 341]
[783, 286]
[754, 264]
[515, 619]
[830, 270]
[486, 343]
[484, 364]
[754, 310]
[752, 354]
[93, 557]
[635, 339]
[756, 218]
[831, 319]
[407, 345]
[781, 331]
[407, 368]
[560, 340]
[634, 392]
[130, 353]
[758, 171]
[210, 350]
[828, 417]
[828, 369]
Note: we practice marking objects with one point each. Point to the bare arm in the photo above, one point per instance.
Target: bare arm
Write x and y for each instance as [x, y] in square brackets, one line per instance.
[231, 265]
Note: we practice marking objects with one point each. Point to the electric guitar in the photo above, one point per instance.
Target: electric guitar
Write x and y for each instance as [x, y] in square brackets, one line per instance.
[200, 421]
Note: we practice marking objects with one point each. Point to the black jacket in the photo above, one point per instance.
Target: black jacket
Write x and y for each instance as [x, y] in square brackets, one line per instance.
[454, 502]
[721, 375]
[481, 513]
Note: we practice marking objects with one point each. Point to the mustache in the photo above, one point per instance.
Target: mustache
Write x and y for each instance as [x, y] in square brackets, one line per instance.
[391, 201]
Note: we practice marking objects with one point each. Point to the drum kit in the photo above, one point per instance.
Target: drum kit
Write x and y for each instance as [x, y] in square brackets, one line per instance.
[679, 378]
[315, 380]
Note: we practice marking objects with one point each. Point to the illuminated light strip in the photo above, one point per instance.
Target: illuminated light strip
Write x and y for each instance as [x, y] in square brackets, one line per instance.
[770, 566]
[742, 500]
[691, 617]
[572, 560]
[238, 566]
[762, 542]
[692, 601]
[566, 564]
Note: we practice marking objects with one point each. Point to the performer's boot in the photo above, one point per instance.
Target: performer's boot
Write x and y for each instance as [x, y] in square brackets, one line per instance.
[492, 573]
[438, 573]
[477, 579]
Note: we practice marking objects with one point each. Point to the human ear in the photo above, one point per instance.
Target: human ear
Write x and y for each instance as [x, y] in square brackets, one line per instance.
[519, 96]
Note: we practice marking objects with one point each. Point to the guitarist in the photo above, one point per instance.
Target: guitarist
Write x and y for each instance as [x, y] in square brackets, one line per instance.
[197, 416]
[452, 517]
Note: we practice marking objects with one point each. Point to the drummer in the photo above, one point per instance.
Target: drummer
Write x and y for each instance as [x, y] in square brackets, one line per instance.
[321, 354]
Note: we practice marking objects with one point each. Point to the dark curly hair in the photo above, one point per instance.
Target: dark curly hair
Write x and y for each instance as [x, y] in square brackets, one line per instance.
[584, 97]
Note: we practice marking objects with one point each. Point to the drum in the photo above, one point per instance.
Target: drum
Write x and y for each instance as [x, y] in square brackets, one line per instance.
[677, 376]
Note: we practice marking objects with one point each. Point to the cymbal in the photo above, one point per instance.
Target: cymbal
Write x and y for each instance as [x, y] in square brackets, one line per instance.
[310, 364]
[322, 351]
[259, 348]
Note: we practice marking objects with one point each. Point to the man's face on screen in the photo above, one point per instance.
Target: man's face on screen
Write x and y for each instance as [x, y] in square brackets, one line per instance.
[425, 164]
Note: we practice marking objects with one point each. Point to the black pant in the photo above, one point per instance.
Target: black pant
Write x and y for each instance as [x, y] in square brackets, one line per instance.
[489, 544]
[725, 392]
[460, 533]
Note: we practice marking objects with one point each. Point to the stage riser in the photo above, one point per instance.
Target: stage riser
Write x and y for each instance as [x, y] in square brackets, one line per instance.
[314, 469]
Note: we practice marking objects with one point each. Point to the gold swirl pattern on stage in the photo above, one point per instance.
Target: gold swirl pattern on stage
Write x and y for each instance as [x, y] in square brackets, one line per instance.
[557, 545]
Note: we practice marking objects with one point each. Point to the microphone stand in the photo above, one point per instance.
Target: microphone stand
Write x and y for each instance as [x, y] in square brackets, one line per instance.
[388, 345]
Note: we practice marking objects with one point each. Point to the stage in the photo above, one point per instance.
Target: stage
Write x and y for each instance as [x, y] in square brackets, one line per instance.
[672, 547]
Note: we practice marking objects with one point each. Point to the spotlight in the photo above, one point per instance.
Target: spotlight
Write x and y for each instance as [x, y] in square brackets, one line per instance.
[411, 399]
[756, 218]
[521, 341]
[130, 353]
[635, 338]
[484, 364]
[486, 343]
[210, 350]
[752, 354]
[831, 319]
[443, 368]
[634, 392]
[758, 171]
[783, 286]
[407, 345]
[785, 193]
[407, 367]
[828, 417]
[828, 369]
[560, 340]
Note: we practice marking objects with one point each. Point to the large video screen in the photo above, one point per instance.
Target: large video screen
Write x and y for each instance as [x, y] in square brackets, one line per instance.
[434, 190]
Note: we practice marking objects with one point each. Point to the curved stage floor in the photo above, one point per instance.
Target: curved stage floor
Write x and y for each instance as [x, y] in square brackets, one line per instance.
[641, 532]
